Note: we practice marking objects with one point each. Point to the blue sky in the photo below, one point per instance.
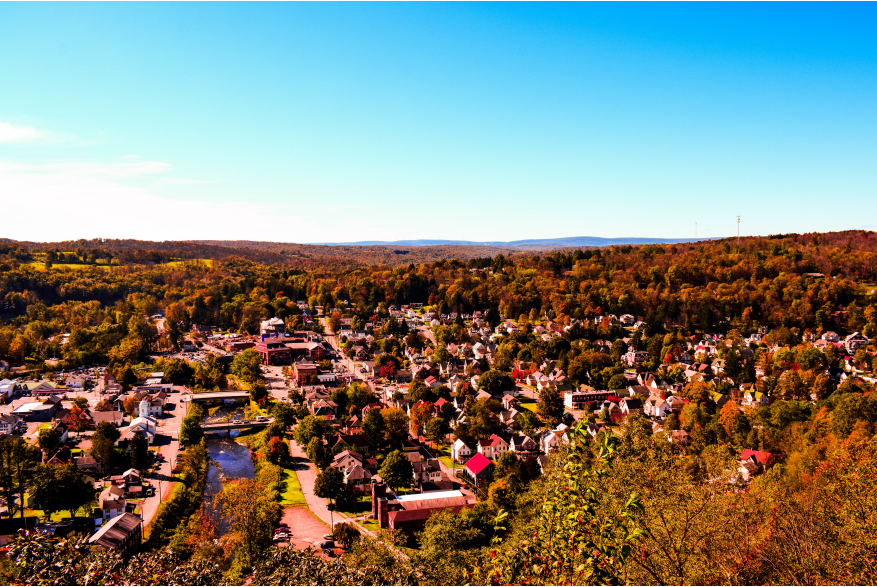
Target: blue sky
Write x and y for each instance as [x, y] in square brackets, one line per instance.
[340, 122]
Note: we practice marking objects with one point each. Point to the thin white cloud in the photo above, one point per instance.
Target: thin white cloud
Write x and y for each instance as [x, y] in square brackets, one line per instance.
[10, 133]
[83, 199]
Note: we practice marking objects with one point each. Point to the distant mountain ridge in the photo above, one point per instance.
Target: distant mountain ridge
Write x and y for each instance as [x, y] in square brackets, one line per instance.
[572, 241]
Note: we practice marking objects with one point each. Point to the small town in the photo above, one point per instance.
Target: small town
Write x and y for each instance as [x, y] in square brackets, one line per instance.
[425, 293]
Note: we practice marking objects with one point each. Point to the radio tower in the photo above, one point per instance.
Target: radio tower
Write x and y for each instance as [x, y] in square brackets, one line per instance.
[738, 230]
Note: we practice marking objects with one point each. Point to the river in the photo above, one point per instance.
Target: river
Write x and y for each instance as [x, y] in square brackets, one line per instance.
[228, 460]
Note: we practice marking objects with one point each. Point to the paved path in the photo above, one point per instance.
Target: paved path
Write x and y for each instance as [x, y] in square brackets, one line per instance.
[307, 476]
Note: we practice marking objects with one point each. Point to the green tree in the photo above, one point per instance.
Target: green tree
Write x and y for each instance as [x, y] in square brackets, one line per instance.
[16, 464]
[374, 428]
[49, 442]
[436, 429]
[103, 443]
[550, 405]
[505, 464]
[345, 534]
[258, 391]
[496, 382]
[317, 453]
[396, 425]
[59, 488]
[617, 381]
[852, 408]
[446, 531]
[308, 428]
[397, 471]
[283, 413]
[329, 484]
[190, 430]
[247, 366]
[139, 452]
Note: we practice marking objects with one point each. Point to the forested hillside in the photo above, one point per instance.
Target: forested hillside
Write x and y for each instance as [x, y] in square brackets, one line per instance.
[762, 472]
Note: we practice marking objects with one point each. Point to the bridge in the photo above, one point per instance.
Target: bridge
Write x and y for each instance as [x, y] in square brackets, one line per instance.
[231, 425]
[219, 396]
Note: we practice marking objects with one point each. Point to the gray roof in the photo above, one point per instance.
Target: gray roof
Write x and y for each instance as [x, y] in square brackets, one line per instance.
[114, 532]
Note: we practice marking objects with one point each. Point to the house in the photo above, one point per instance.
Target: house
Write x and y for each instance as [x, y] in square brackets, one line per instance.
[632, 358]
[509, 401]
[581, 400]
[122, 534]
[112, 502]
[460, 452]
[656, 407]
[830, 336]
[523, 446]
[754, 462]
[357, 443]
[303, 371]
[143, 424]
[113, 417]
[346, 460]
[91, 466]
[854, 341]
[479, 468]
[640, 390]
[358, 477]
[492, 447]
[426, 471]
[755, 399]
[76, 382]
[10, 424]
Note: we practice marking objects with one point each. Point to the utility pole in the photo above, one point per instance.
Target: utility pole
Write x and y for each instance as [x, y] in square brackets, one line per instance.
[738, 230]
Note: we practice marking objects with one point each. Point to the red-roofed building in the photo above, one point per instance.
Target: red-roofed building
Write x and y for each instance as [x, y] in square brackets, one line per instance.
[754, 462]
[480, 468]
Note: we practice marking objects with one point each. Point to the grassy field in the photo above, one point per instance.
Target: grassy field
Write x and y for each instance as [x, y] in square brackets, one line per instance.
[292, 495]
[208, 262]
[370, 525]
[41, 266]
[527, 403]
[362, 508]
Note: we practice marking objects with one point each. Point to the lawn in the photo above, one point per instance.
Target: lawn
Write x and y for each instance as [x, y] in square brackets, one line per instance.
[361, 508]
[370, 525]
[292, 495]
[448, 461]
[527, 403]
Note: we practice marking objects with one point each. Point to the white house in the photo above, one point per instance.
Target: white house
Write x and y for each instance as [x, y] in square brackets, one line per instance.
[460, 452]
[656, 407]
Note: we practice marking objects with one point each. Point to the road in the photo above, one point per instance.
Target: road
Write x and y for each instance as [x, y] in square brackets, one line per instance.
[167, 443]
